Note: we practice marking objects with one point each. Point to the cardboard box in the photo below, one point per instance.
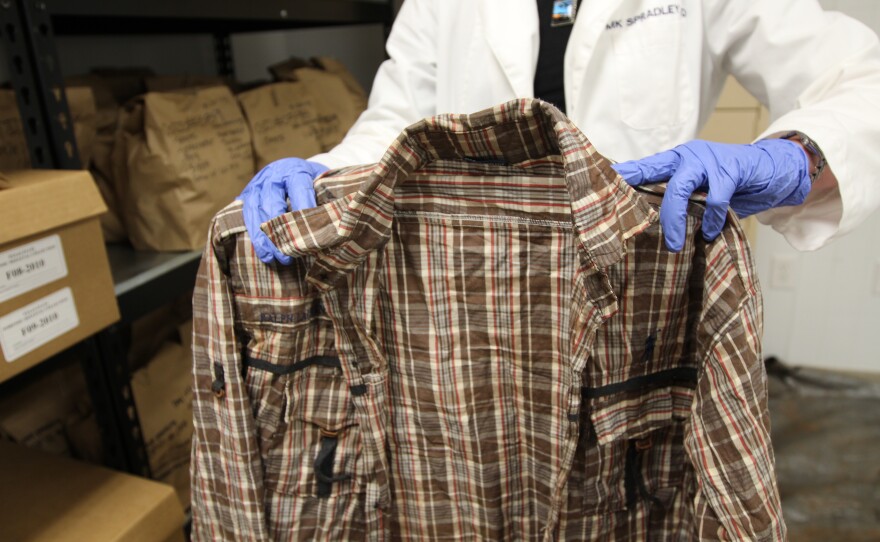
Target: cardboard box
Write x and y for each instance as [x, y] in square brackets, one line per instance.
[732, 126]
[55, 282]
[50, 498]
[738, 117]
[735, 96]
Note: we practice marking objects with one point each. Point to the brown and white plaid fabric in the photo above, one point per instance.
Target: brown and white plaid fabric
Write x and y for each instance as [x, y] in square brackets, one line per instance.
[482, 338]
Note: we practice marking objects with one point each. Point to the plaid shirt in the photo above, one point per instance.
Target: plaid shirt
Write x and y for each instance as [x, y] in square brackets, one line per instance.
[482, 337]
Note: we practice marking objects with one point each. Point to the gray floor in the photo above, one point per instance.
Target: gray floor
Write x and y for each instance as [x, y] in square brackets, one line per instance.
[826, 434]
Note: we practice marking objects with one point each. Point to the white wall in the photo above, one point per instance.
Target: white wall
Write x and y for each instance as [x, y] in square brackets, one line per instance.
[831, 317]
[867, 11]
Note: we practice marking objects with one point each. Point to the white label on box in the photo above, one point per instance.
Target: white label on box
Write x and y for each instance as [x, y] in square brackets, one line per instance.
[30, 327]
[30, 266]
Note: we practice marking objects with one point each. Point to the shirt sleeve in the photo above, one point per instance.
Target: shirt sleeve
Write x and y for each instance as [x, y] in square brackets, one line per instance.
[817, 72]
[728, 439]
[227, 484]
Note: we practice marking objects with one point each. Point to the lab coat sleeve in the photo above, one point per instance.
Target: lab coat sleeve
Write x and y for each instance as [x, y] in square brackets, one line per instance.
[817, 72]
[404, 90]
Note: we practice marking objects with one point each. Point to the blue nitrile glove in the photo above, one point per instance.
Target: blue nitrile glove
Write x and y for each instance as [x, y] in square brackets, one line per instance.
[747, 178]
[265, 197]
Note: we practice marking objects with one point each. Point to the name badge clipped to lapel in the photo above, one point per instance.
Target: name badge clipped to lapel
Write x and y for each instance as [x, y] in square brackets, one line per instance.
[564, 12]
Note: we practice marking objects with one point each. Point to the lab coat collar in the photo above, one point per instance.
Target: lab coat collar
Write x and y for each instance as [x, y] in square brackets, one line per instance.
[511, 28]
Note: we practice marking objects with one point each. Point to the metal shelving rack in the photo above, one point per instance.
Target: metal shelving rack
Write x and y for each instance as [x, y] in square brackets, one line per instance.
[143, 281]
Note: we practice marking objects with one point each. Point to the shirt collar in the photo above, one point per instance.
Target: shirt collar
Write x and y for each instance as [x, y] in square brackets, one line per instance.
[605, 210]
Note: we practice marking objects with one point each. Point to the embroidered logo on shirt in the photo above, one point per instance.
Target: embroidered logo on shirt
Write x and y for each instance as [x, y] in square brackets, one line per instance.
[316, 309]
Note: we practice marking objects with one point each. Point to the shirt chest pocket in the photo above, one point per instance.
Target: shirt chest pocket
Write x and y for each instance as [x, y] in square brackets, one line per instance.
[308, 435]
[309, 438]
[631, 450]
[619, 475]
[652, 71]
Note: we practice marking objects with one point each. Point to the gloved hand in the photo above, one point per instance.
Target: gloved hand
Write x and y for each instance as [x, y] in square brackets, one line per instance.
[747, 178]
[265, 197]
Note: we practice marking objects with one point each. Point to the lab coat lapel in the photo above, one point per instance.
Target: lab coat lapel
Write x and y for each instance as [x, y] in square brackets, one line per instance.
[593, 16]
[511, 28]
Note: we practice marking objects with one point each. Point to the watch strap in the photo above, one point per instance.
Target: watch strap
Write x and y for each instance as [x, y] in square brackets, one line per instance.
[812, 148]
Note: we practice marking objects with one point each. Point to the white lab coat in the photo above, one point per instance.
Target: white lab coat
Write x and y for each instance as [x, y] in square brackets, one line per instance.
[642, 76]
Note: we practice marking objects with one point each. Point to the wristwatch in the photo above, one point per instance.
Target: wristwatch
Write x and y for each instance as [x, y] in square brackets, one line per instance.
[812, 148]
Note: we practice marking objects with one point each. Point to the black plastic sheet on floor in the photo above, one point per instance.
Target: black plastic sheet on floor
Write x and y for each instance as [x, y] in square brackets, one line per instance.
[826, 436]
